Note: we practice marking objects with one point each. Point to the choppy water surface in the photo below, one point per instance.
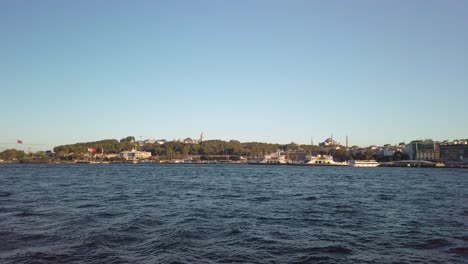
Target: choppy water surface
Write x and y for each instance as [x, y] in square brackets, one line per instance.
[231, 213]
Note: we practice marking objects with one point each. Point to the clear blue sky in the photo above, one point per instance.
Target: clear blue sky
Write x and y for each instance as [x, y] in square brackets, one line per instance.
[270, 71]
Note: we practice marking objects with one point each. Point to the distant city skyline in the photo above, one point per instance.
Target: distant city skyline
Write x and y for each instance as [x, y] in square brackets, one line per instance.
[33, 146]
[268, 71]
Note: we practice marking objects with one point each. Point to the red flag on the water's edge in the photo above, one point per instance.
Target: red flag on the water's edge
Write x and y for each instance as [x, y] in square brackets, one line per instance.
[19, 141]
[93, 150]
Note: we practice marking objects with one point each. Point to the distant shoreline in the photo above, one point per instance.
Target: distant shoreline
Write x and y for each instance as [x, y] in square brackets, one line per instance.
[225, 163]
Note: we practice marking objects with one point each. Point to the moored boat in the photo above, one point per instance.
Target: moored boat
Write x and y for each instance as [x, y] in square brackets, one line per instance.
[364, 163]
[323, 160]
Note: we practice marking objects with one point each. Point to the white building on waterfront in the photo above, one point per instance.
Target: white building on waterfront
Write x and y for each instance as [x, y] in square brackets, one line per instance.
[134, 154]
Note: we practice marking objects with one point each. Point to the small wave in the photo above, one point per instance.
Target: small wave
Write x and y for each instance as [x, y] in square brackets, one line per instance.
[316, 220]
[273, 219]
[87, 247]
[313, 259]
[312, 210]
[5, 194]
[261, 241]
[280, 235]
[385, 197]
[434, 243]
[461, 250]
[232, 232]
[261, 199]
[109, 214]
[230, 195]
[310, 198]
[343, 209]
[49, 257]
[336, 250]
[342, 206]
[87, 205]
[25, 214]
[145, 221]
[191, 220]
[238, 258]
[412, 223]
[29, 237]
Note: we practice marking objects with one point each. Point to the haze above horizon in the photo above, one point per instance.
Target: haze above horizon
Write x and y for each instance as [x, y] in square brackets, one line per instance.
[267, 71]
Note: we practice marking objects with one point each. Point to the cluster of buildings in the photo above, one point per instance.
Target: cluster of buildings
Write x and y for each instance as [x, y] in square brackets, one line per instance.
[455, 151]
[452, 153]
[164, 141]
[447, 152]
[135, 155]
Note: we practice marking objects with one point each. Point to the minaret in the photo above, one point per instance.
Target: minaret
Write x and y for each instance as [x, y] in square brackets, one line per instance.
[202, 137]
[346, 141]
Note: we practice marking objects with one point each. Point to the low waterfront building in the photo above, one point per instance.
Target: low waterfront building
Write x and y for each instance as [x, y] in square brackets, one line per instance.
[454, 153]
[272, 158]
[423, 150]
[385, 151]
[298, 155]
[110, 155]
[132, 155]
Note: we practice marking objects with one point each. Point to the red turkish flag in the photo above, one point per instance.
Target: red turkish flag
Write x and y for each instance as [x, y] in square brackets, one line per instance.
[93, 150]
[19, 141]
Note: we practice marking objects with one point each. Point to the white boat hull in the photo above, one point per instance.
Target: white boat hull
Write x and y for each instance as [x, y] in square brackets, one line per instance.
[364, 163]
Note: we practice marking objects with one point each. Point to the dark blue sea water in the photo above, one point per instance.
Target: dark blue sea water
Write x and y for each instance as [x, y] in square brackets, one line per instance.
[87, 213]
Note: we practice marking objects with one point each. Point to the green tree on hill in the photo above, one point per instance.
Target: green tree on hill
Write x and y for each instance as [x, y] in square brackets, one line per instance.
[12, 154]
[130, 139]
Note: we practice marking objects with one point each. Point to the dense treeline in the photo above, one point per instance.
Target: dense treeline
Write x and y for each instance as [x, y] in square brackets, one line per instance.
[209, 149]
[18, 155]
[107, 146]
[233, 148]
[12, 154]
[216, 147]
[176, 149]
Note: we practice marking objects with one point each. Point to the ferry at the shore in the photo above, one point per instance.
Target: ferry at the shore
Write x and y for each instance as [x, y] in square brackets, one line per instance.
[363, 163]
[276, 158]
[323, 160]
[270, 161]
